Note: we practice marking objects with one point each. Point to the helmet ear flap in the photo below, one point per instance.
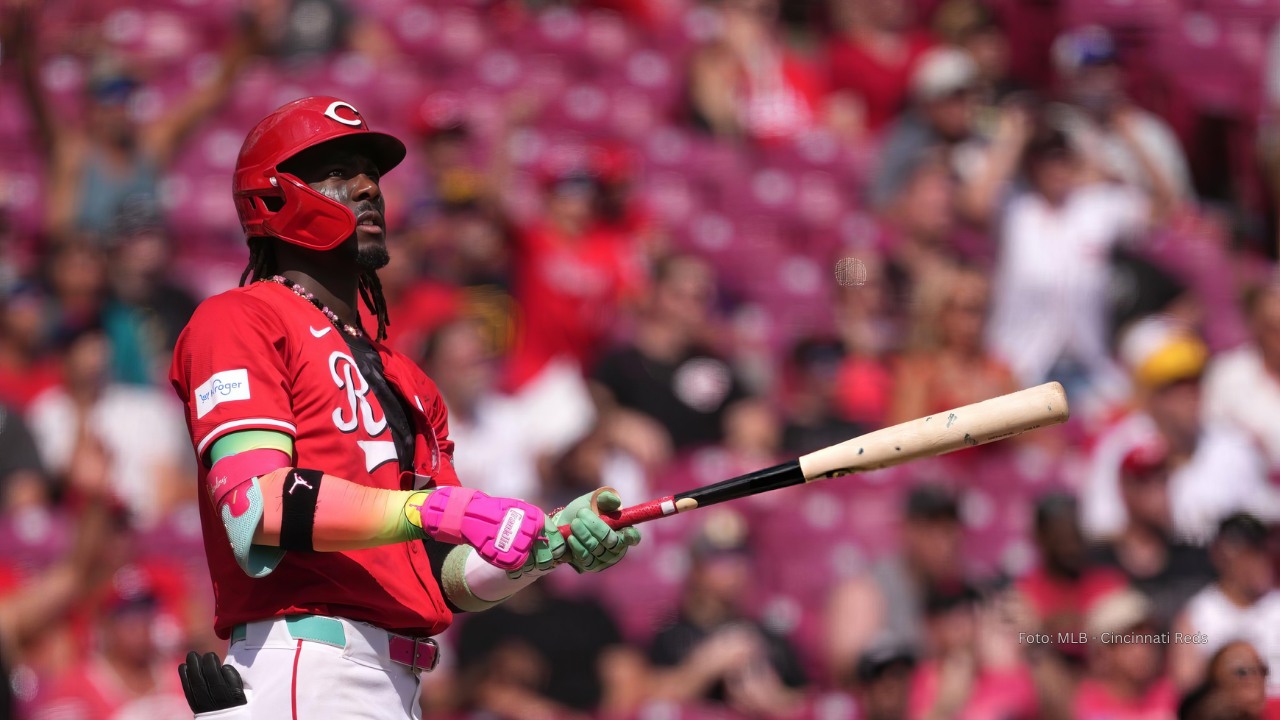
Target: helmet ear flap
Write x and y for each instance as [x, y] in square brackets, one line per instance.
[306, 217]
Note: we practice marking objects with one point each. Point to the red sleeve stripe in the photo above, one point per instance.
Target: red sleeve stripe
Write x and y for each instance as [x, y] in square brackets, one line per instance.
[232, 425]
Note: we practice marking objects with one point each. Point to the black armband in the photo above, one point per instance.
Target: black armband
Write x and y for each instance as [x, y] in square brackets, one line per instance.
[298, 511]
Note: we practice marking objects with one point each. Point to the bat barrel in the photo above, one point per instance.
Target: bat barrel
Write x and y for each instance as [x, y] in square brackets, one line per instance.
[941, 433]
[969, 426]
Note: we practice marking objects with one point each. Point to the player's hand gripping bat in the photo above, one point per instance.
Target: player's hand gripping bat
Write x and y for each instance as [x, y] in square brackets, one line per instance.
[977, 424]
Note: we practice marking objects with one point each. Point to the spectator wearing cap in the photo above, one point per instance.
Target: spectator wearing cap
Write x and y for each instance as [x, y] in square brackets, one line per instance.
[1242, 386]
[941, 115]
[571, 278]
[452, 181]
[146, 308]
[746, 83]
[89, 420]
[1126, 679]
[713, 652]
[1234, 688]
[1243, 604]
[1164, 568]
[975, 27]
[873, 56]
[453, 254]
[1052, 271]
[881, 683]
[26, 370]
[459, 244]
[814, 417]
[112, 158]
[948, 364]
[974, 668]
[127, 675]
[619, 208]
[1123, 142]
[1002, 108]
[1214, 469]
[1064, 586]
[885, 606]
[669, 389]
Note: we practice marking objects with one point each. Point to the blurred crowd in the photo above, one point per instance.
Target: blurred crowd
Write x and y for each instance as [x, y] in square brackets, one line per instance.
[651, 244]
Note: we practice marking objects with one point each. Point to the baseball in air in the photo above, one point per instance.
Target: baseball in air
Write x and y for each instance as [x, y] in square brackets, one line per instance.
[851, 271]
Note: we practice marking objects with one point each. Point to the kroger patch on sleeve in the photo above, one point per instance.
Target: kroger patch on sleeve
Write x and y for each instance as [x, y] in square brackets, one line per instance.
[224, 386]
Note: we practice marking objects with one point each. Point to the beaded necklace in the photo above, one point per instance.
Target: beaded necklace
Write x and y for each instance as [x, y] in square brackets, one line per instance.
[306, 295]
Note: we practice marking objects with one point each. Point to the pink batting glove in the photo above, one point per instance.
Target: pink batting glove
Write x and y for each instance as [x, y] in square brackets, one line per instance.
[502, 530]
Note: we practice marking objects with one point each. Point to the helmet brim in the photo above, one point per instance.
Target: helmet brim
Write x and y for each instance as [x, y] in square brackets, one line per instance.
[386, 151]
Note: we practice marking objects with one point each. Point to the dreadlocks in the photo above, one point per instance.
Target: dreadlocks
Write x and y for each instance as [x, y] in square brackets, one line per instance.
[371, 293]
[262, 265]
[262, 261]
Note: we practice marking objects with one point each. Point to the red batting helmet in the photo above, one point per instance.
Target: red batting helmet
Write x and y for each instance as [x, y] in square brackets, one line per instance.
[272, 203]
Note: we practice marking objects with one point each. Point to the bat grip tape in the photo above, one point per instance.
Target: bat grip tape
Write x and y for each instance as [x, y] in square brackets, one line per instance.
[298, 511]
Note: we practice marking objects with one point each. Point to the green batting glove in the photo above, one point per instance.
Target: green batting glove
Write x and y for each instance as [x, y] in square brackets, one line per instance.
[593, 545]
[546, 553]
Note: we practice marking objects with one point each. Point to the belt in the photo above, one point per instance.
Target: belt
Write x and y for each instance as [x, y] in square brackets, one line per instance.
[418, 654]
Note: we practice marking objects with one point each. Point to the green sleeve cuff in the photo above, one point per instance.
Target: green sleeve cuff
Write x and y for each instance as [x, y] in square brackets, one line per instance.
[453, 580]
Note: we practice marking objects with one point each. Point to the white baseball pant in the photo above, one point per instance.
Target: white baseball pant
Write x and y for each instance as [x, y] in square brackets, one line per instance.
[290, 679]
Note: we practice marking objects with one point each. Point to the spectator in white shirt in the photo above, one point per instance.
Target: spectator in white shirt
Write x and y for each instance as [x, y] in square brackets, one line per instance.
[1242, 386]
[1126, 143]
[1243, 604]
[1056, 237]
[136, 431]
[1214, 469]
[492, 451]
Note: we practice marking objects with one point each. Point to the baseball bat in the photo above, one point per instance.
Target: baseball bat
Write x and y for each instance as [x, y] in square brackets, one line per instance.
[937, 434]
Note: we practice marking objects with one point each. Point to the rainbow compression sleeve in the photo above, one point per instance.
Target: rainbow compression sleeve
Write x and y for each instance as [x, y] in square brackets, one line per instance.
[256, 560]
[348, 516]
[351, 515]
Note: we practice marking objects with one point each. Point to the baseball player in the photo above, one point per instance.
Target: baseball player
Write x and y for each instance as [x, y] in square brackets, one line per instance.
[338, 537]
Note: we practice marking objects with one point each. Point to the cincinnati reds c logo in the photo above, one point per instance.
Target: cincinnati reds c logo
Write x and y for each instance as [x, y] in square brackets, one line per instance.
[332, 112]
[347, 376]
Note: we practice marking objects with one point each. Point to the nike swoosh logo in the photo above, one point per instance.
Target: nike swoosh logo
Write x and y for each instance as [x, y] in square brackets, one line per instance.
[320, 333]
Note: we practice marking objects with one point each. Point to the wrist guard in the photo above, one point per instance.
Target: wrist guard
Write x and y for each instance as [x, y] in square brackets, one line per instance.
[502, 530]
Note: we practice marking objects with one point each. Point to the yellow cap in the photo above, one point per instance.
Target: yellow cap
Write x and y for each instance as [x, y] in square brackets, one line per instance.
[1159, 352]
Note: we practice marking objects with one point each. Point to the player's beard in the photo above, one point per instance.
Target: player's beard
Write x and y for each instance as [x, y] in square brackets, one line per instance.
[371, 258]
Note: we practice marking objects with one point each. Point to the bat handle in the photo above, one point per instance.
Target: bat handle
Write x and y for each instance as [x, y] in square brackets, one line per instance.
[634, 515]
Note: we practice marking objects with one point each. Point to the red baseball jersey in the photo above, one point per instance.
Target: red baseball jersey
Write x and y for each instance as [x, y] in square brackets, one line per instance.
[260, 357]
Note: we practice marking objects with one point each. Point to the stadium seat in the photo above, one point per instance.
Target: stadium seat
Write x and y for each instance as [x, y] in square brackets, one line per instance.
[1145, 14]
[1263, 12]
[1215, 62]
